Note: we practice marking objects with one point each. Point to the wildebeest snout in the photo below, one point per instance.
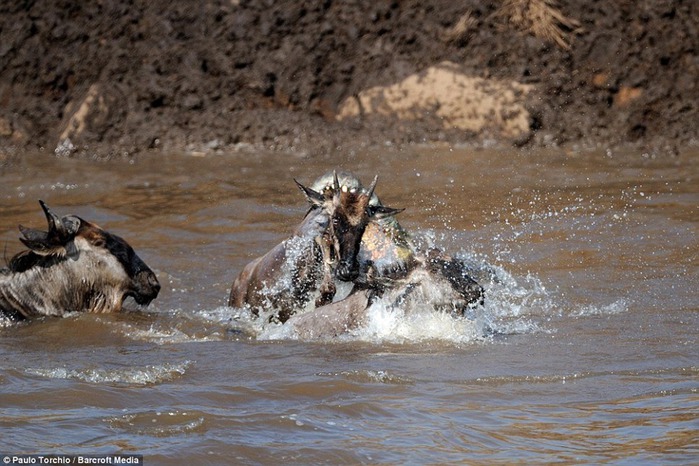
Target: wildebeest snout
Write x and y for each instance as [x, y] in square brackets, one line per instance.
[147, 287]
[347, 271]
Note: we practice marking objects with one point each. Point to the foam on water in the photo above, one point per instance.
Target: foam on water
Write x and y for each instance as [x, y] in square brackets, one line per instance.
[148, 375]
[175, 333]
[370, 376]
[6, 322]
[160, 423]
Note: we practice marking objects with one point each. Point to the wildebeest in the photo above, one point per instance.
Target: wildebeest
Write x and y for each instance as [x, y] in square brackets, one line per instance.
[324, 248]
[75, 266]
[403, 275]
[381, 263]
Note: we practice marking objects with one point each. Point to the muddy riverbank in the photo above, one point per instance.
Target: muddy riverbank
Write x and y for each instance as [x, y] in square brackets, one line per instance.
[112, 78]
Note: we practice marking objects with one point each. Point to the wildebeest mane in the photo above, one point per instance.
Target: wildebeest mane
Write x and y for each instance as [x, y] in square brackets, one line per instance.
[23, 261]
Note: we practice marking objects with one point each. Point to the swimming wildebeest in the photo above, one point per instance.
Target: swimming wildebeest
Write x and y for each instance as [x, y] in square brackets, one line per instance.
[382, 262]
[396, 270]
[323, 248]
[73, 267]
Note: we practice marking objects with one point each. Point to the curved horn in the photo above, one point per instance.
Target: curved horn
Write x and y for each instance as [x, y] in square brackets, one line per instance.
[61, 231]
[370, 191]
[55, 224]
[336, 182]
[336, 188]
[314, 197]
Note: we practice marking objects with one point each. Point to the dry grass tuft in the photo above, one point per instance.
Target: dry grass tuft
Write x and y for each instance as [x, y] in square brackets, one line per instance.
[541, 18]
[462, 30]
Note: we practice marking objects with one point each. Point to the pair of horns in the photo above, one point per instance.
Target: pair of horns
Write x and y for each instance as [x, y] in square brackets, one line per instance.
[369, 191]
[316, 197]
[60, 235]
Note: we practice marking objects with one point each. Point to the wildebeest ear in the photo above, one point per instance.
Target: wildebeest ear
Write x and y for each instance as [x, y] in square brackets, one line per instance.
[378, 212]
[314, 197]
[71, 225]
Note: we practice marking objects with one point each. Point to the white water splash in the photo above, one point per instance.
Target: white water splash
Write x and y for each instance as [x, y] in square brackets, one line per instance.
[617, 307]
[389, 325]
[513, 305]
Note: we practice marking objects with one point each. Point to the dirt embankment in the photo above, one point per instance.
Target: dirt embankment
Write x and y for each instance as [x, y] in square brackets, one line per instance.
[111, 77]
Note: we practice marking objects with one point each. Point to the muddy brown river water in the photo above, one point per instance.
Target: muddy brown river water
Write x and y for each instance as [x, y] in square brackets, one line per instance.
[585, 352]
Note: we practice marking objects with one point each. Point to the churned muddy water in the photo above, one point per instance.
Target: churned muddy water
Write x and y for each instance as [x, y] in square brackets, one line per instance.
[585, 351]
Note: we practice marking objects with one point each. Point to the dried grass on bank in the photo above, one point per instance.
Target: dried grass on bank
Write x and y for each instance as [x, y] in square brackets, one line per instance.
[542, 18]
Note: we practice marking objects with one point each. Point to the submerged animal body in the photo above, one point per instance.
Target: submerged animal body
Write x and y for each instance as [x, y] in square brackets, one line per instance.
[323, 250]
[73, 267]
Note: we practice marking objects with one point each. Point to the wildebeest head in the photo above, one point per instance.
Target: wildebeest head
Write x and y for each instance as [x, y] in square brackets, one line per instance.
[103, 267]
[349, 210]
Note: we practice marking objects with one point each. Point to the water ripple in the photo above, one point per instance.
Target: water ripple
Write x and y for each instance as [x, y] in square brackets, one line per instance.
[148, 375]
